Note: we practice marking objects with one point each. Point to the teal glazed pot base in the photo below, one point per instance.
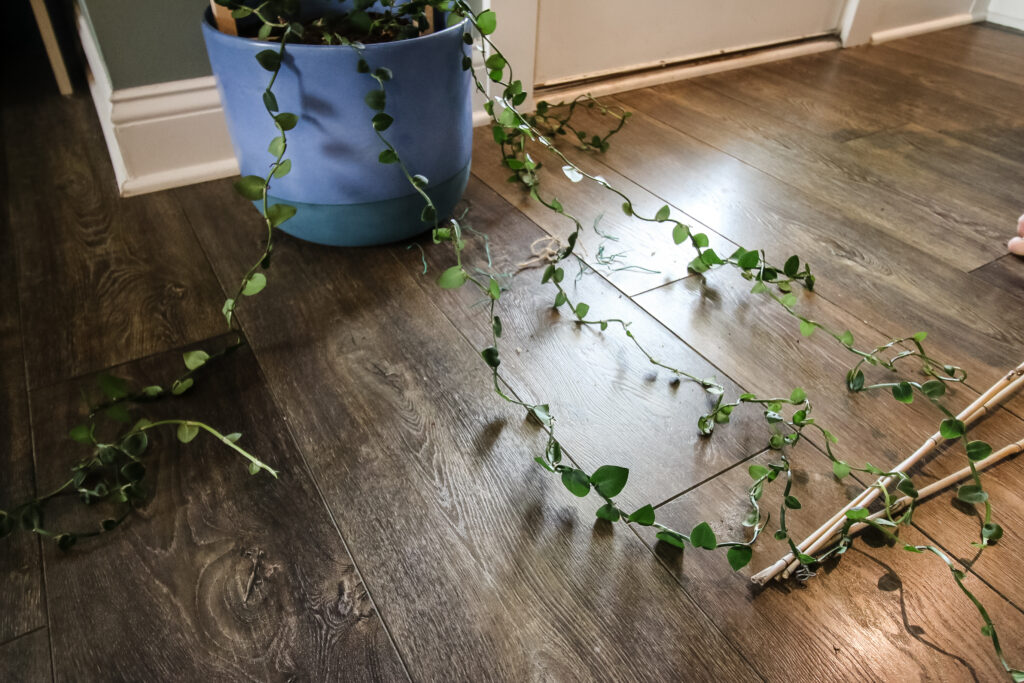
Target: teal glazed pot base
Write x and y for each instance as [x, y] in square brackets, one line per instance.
[379, 222]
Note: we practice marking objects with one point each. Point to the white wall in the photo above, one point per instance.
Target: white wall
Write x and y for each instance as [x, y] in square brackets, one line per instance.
[1007, 12]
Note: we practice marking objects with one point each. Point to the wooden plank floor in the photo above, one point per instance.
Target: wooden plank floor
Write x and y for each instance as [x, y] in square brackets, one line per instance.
[411, 535]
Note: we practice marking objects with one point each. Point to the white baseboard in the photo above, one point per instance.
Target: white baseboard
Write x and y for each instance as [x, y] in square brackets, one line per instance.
[683, 71]
[159, 136]
[924, 27]
[1006, 20]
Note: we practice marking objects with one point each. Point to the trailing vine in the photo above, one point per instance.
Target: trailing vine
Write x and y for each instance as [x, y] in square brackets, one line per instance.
[512, 131]
[114, 469]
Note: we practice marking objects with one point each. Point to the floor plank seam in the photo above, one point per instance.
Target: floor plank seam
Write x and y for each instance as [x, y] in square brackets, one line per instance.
[305, 463]
[28, 414]
[568, 455]
[986, 265]
[517, 395]
[23, 635]
[817, 293]
[643, 310]
[917, 526]
[915, 80]
[673, 282]
[705, 480]
[762, 110]
[141, 359]
[334, 523]
[899, 47]
[969, 566]
[675, 579]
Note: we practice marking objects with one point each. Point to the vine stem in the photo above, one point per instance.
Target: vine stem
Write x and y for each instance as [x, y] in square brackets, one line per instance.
[1007, 385]
[256, 462]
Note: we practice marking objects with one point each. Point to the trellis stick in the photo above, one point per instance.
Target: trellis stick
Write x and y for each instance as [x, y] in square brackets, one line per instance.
[939, 486]
[873, 492]
[1007, 385]
[996, 394]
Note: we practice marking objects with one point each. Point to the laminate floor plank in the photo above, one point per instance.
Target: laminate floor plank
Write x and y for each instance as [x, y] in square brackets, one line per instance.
[878, 614]
[964, 234]
[612, 406]
[898, 289]
[978, 48]
[223, 575]
[411, 535]
[27, 659]
[102, 280]
[1003, 39]
[482, 565]
[21, 599]
[991, 36]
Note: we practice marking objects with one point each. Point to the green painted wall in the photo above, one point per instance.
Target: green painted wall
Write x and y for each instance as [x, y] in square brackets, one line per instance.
[148, 41]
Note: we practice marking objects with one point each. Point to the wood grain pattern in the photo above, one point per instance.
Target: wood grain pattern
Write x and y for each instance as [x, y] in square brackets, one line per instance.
[482, 565]
[877, 85]
[879, 614]
[614, 406]
[21, 602]
[963, 175]
[894, 197]
[172, 587]
[867, 273]
[101, 280]
[27, 659]
[411, 534]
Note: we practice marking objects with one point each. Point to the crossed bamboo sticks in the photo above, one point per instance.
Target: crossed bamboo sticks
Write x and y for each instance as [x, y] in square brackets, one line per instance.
[827, 533]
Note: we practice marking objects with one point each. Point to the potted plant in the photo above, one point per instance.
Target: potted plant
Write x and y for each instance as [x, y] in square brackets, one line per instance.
[350, 72]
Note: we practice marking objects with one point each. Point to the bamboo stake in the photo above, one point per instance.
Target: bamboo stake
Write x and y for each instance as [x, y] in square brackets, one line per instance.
[1007, 385]
[994, 398]
[941, 485]
[223, 19]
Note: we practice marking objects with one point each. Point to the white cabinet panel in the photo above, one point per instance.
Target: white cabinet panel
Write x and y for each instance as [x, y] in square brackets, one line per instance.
[584, 38]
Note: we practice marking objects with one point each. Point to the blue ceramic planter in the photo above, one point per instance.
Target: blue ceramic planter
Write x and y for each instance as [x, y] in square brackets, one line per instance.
[345, 197]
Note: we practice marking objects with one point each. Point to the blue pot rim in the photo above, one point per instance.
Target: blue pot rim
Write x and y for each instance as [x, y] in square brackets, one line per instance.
[208, 25]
